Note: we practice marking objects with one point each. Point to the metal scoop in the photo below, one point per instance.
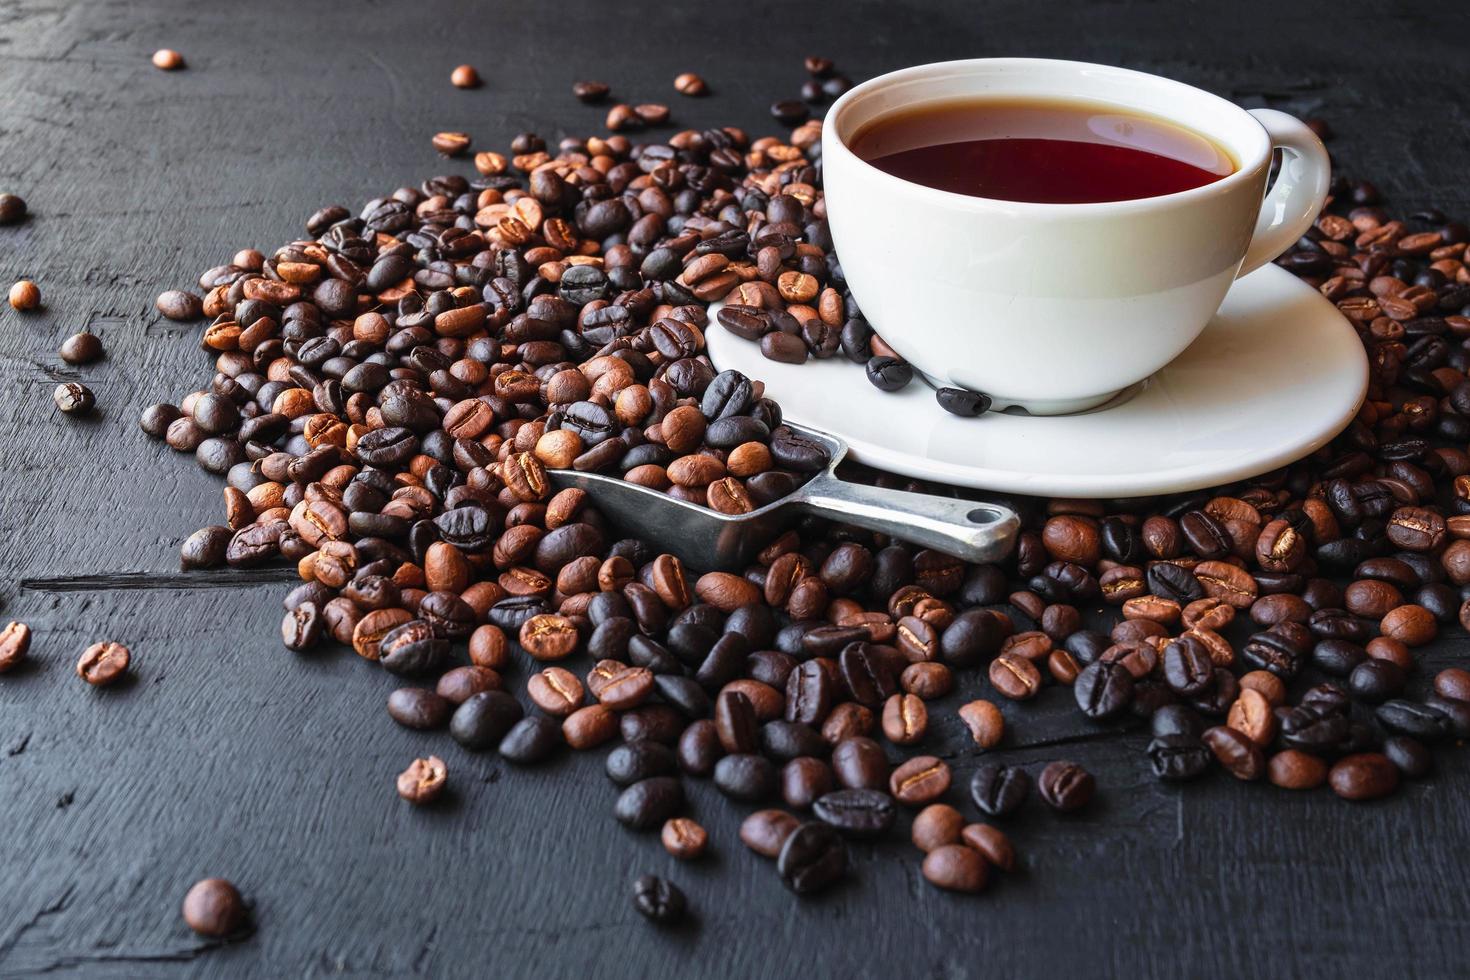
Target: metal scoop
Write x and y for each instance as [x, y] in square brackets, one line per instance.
[710, 541]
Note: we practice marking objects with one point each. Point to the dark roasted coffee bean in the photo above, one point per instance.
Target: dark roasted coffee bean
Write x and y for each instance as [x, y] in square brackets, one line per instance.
[412, 649]
[634, 761]
[857, 812]
[1411, 756]
[812, 859]
[999, 790]
[646, 804]
[746, 777]
[889, 374]
[482, 720]
[958, 401]
[1103, 690]
[1178, 757]
[659, 900]
[531, 740]
[1421, 721]
[1066, 786]
[419, 708]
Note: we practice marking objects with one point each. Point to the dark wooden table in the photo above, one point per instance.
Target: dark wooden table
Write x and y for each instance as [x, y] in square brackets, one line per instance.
[230, 756]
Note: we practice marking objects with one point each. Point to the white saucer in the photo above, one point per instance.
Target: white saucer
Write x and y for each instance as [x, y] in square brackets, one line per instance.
[1276, 374]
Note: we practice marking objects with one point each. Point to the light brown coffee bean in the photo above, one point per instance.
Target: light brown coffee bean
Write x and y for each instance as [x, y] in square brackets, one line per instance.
[905, 719]
[955, 867]
[423, 781]
[984, 720]
[920, 780]
[992, 843]
[104, 663]
[1251, 715]
[590, 726]
[556, 691]
[1014, 677]
[15, 642]
[936, 825]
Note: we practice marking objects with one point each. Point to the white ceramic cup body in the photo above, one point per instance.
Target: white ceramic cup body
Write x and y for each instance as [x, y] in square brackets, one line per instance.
[1054, 307]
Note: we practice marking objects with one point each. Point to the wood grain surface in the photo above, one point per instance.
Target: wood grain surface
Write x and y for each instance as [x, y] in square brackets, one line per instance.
[229, 756]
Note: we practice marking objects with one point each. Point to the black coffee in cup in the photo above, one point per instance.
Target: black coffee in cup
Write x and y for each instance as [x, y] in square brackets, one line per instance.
[1049, 151]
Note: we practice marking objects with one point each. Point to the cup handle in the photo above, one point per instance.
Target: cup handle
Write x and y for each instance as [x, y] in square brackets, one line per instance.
[1297, 196]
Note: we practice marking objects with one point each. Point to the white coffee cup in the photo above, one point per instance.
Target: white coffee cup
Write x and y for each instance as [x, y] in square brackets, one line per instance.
[1057, 307]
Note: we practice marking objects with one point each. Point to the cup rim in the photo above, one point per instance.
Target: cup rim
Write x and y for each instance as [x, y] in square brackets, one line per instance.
[1246, 170]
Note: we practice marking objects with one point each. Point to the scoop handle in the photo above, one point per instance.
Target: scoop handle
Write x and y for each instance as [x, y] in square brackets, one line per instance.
[973, 530]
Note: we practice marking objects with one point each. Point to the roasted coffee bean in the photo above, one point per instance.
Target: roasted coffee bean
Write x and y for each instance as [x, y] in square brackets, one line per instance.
[699, 748]
[812, 859]
[1240, 756]
[1365, 776]
[857, 812]
[683, 838]
[1015, 677]
[74, 399]
[1409, 755]
[419, 708]
[1421, 721]
[15, 642]
[411, 649]
[745, 776]
[423, 781]
[646, 804]
[634, 761]
[999, 790]
[483, 720]
[659, 900]
[214, 908]
[1103, 690]
[1294, 769]
[1066, 786]
[766, 831]
[531, 740]
[1178, 757]
[103, 663]
[985, 722]
[956, 867]
[937, 825]
[859, 763]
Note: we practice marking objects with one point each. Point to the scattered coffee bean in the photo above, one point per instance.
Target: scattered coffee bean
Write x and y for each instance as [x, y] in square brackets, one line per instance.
[25, 295]
[690, 84]
[812, 859]
[451, 144]
[955, 867]
[81, 348]
[103, 663]
[684, 839]
[15, 642]
[12, 209]
[590, 92]
[214, 908]
[423, 780]
[1066, 786]
[659, 900]
[74, 399]
[167, 59]
[464, 76]
[999, 790]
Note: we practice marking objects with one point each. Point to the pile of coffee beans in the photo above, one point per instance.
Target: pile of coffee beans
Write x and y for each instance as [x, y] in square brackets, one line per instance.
[391, 390]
